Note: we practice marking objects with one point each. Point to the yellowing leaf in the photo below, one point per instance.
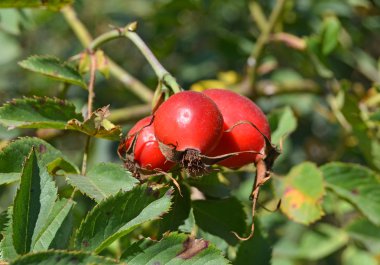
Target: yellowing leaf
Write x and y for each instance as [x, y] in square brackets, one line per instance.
[301, 192]
[225, 80]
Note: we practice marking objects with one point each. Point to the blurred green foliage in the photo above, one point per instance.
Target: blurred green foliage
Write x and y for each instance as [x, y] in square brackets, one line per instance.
[319, 77]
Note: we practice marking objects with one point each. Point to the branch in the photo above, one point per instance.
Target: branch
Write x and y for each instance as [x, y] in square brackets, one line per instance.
[254, 59]
[130, 113]
[119, 73]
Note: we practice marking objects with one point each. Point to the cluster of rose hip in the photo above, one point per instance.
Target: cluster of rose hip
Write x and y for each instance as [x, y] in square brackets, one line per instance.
[195, 130]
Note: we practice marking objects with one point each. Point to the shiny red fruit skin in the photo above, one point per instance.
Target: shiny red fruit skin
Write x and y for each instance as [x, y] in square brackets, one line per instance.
[147, 152]
[189, 120]
[244, 137]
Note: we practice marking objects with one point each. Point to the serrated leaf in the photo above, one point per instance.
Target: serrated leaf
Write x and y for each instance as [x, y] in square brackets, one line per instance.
[26, 205]
[37, 113]
[179, 211]
[220, 217]
[366, 233]
[282, 123]
[58, 257]
[53, 68]
[37, 215]
[358, 185]
[330, 34]
[97, 125]
[45, 236]
[119, 215]
[103, 180]
[7, 250]
[51, 4]
[174, 249]
[13, 155]
[301, 192]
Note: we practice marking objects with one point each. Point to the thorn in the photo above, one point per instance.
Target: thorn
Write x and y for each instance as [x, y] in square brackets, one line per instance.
[132, 27]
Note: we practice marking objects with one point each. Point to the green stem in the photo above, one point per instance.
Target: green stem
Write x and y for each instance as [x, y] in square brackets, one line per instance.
[119, 73]
[257, 53]
[139, 43]
[130, 113]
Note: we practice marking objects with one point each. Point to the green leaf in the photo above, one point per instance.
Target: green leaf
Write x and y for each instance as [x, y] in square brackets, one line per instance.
[310, 243]
[6, 178]
[282, 123]
[358, 185]
[366, 233]
[13, 155]
[37, 113]
[256, 248]
[26, 205]
[97, 125]
[119, 215]
[301, 193]
[103, 180]
[370, 148]
[58, 257]
[53, 68]
[179, 212]
[174, 249]
[354, 256]
[220, 217]
[7, 250]
[47, 232]
[330, 34]
[37, 215]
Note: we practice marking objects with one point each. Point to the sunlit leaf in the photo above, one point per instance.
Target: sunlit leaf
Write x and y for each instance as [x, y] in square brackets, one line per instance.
[103, 180]
[37, 113]
[173, 249]
[367, 233]
[53, 68]
[97, 125]
[13, 155]
[355, 256]
[310, 243]
[330, 34]
[57, 257]
[301, 192]
[37, 214]
[356, 184]
[118, 215]
[282, 122]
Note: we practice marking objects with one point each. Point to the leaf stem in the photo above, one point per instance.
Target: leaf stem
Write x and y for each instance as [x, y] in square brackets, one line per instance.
[254, 59]
[132, 83]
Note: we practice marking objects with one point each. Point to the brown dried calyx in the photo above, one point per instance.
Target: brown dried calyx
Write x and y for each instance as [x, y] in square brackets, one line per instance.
[195, 163]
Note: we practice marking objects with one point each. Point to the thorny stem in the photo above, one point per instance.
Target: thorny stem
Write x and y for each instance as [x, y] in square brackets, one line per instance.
[256, 55]
[123, 76]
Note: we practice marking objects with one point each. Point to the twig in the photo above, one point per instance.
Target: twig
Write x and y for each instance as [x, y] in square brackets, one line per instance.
[129, 32]
[130, 113]
[254, 59]
[119, 73]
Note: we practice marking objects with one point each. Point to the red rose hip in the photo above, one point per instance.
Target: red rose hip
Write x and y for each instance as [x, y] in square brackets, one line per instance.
[239, 137]
[146, 151]
[188, 125]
